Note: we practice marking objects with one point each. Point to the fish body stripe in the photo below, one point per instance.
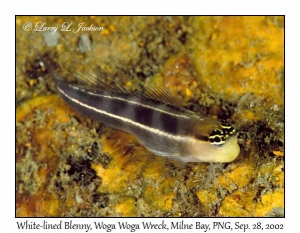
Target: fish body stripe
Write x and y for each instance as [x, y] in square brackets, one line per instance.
[130, 101]
[120, 112]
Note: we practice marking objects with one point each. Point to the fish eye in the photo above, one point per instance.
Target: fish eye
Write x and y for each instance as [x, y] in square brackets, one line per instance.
[217, 137]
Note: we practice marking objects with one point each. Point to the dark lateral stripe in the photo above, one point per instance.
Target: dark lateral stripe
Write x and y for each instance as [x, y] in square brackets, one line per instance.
[169, 123]
[143, 115]
[128, 100]
[118, 107]
[95, 110]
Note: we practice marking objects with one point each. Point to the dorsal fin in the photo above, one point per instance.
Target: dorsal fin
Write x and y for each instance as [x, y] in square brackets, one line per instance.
[162, 95]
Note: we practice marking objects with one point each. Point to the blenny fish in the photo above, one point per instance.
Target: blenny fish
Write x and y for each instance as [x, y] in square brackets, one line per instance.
[158, 121]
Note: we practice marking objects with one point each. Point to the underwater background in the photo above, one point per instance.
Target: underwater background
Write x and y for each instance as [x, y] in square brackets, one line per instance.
[227, 67]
